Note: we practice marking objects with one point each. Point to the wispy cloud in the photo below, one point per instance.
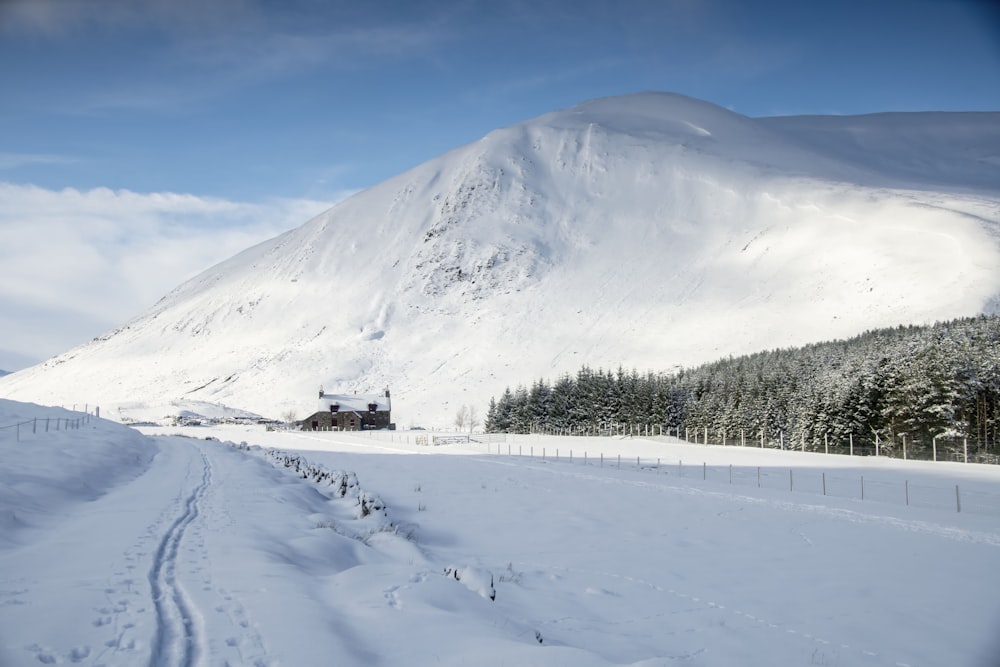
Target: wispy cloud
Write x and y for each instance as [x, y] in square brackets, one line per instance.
[57, 18]
[200, 52]
[18, 160]
[75, 263]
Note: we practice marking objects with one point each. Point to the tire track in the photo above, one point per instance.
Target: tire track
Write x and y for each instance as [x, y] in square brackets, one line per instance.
[178, 640]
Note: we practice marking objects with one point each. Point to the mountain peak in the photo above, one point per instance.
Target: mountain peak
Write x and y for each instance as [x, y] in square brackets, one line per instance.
[646, 230]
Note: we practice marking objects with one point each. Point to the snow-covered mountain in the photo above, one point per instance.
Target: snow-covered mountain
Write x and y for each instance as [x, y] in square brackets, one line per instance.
[649, 230]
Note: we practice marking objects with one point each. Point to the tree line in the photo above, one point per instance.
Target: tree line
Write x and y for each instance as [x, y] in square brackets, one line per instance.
[920, 382]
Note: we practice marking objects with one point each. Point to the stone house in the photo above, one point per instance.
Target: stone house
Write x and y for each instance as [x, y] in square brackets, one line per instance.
[350, 412]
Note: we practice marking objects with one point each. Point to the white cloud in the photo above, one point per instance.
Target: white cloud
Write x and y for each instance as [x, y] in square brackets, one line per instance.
[76, 263]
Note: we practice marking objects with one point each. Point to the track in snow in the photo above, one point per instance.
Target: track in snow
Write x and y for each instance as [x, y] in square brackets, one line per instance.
[178, 641]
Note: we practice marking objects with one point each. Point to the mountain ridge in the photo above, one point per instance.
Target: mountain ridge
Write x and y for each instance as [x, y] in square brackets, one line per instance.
[649, 230]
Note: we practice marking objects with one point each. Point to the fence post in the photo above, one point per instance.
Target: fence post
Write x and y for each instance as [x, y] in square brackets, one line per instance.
[791, 482]
[824, 483]
[958, 501]
[619, 461]
[826, 443]
[706, 435]
[743, 440]
[934, 441]
[730, 473]
[862, 487]
[704, 471]
[876, 445]
[852, 444]
[657, 466]
[758, 477]
[907, 488]
[637, 463]
[762, 439]
[965, 445]
[904, 446]
[34, 429]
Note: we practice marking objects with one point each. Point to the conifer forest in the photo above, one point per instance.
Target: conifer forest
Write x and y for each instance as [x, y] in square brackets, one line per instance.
[910, 391]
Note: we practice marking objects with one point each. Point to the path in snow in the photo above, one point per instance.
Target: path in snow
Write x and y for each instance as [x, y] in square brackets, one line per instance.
[130, 577]
[179, 636]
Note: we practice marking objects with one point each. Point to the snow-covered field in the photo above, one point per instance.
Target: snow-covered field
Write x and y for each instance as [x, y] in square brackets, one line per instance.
[189, 548]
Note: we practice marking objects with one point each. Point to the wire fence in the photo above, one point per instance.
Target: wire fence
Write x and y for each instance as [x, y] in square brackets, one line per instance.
[22, 430]
[943, 447]
[841, 484]
[968, 497]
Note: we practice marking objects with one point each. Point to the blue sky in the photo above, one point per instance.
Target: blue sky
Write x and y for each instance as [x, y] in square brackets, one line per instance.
[151, 115]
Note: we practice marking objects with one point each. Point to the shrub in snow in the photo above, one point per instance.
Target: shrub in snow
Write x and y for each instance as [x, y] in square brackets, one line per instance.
[369, 503]
[476, 580]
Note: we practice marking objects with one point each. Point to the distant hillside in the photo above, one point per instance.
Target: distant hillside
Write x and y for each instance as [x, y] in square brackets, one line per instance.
[641, 229]
[912, 382]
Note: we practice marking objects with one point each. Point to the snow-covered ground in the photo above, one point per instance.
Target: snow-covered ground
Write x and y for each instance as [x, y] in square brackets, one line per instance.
[190, 548]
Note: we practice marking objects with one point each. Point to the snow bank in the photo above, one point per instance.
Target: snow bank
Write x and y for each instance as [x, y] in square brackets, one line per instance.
[58, 457]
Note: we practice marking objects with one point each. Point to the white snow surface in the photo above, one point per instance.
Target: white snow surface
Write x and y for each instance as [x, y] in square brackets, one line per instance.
[196, 546]
[647, 231]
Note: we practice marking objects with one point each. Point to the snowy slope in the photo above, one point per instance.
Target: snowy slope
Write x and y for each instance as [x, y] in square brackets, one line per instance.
[117, 549]
[648, 230]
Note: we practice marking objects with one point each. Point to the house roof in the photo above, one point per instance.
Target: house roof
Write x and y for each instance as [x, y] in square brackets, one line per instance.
[354, 402]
